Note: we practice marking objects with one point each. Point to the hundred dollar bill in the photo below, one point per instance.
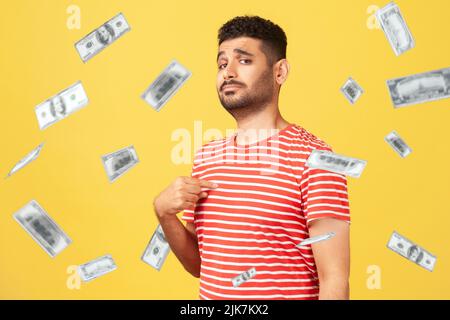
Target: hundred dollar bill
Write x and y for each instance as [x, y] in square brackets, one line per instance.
[419, 88]
[351, 90]
[157, 249]
[316, 239]
[102, 37]
[96, 268]
[42, 228]
[61, 105]
[395, 28]
[119, 162]
[326, 160]
[243, 277]
[166, 85]
[26, 160]
[398, 144]
[411, 251]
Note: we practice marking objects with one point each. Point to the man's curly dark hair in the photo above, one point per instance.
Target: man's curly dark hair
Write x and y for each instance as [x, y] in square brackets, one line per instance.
[272, 36]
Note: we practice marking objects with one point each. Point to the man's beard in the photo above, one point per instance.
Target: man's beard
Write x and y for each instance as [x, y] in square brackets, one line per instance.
[250, 101]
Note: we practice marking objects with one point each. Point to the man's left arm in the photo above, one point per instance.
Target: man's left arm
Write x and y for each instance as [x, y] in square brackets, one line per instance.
[332, 257]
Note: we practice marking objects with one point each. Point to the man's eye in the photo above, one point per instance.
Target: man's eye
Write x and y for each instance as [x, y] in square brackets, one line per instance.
[221, 66]
[246, 61]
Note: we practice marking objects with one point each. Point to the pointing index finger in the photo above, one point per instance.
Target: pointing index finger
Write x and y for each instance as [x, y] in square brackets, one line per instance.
[208, 184]
[202, 183]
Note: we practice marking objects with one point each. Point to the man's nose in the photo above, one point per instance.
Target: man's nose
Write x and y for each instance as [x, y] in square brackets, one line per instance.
[229, 72]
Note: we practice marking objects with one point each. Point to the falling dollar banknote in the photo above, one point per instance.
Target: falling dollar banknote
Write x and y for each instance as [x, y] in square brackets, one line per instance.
[26, 160]
[102, 37]
[398, 144]
[411, 251]
[166, 85]
[42, 228]
[96, 268]
[351, 90]
[424, 87]
[326, 160]
[316, 239]
[61, 105]
[119, 162]
[395, 28]
[243, 277]
[157, 249]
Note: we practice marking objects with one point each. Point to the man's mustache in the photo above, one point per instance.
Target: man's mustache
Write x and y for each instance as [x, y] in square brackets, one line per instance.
[230, 82]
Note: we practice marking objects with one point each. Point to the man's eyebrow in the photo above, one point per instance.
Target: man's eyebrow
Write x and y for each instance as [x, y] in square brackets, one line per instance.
[219, 54]
[237, 50]
[243, 52]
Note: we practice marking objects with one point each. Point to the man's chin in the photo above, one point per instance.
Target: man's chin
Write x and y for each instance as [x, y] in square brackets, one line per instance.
[231, 105]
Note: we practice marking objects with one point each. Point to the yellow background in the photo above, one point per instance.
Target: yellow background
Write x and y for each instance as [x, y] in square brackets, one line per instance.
[328, 41]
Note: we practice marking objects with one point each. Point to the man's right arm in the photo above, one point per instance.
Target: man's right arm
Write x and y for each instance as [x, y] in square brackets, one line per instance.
[182, 194]
[183, 243]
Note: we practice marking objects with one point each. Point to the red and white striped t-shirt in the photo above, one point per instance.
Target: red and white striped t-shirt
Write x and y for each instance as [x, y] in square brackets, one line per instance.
[260, 213]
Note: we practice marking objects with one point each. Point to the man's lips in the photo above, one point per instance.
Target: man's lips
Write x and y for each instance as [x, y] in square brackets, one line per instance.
[231, 87]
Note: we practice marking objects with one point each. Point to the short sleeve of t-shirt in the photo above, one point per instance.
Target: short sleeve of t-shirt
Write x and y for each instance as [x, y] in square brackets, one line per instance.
[324, 193]
[188, 214]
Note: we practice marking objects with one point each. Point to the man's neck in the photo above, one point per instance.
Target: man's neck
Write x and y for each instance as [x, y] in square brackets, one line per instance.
[265, 123]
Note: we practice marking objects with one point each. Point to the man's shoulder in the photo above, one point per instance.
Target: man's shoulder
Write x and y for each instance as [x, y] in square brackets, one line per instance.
[302, 138]
[209, 147]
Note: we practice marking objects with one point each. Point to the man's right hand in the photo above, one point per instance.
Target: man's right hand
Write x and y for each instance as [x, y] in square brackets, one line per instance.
[182, 194]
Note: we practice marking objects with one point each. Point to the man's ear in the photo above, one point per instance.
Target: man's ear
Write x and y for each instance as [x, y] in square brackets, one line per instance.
[281, 71]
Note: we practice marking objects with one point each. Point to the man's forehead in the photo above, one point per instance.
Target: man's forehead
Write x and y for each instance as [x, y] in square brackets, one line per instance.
[247, 44]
